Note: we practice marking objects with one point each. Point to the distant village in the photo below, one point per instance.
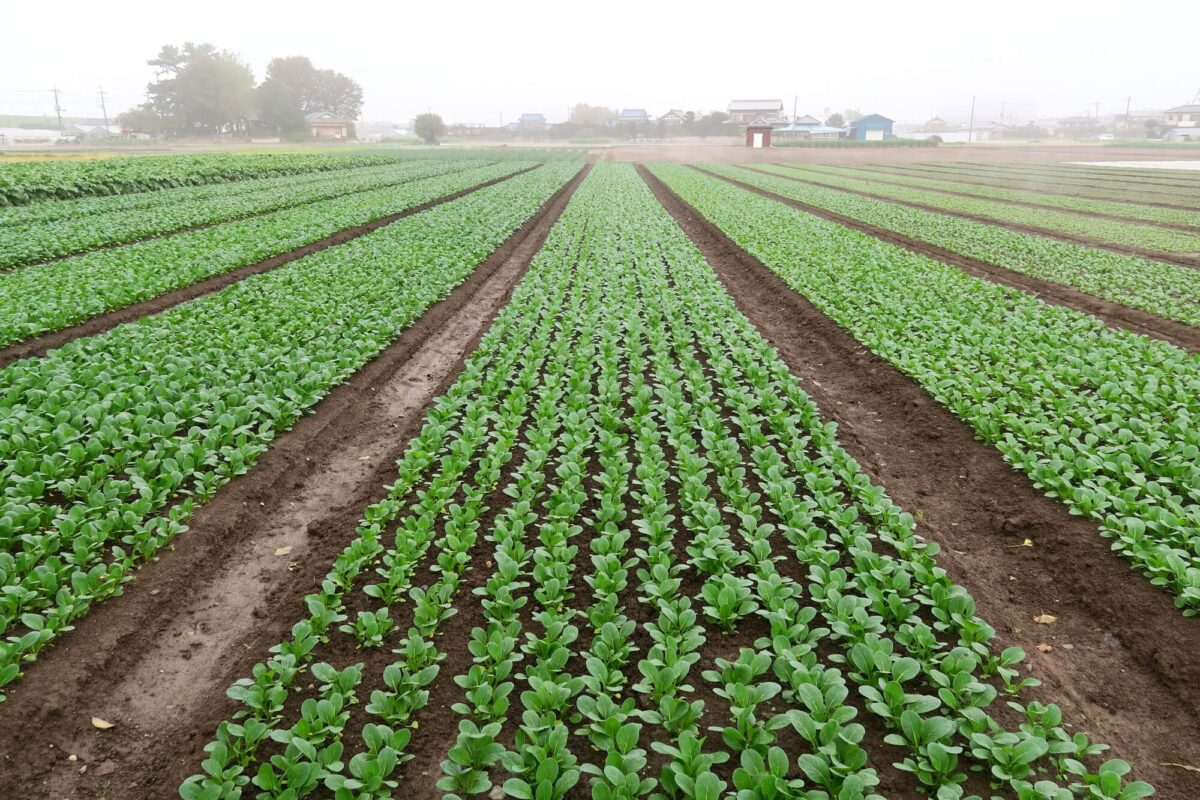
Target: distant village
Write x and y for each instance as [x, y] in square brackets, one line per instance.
[764, 122]
[756, 122]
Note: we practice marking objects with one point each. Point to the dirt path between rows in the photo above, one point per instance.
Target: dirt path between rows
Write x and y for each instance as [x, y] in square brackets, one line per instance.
[1178, 259]
[1115, 315]
[156, 661]
[44, 343]
[880, 177]
[1122, 662]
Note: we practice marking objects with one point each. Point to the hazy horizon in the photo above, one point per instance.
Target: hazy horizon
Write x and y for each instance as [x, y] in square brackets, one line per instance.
[484, 63]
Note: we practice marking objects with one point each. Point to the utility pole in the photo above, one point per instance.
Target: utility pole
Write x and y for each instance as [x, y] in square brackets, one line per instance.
[971, 124]
[57, 109]
[1128, 100]
[104, 110]
[1097, 110]
[1002, 107]
[795, 101]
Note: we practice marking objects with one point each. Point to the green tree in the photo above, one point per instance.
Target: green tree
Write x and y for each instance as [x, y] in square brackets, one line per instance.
[429, 127]
[200, 90]
[712, 124]
[278, 108]
[583, 114]
[143, 119]
[836, 120]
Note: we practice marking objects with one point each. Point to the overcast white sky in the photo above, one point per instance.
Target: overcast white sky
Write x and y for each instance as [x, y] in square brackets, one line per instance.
[482, 61]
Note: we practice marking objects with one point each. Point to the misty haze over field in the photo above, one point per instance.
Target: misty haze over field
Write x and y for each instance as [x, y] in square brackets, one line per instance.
[487, 62]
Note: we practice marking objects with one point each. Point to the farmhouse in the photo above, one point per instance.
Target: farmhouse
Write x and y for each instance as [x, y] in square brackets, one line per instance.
[746, 111]
[532, 122]
[326, 125]
[873, 127]
[673, 118]
[638, 116]
[1183, 124]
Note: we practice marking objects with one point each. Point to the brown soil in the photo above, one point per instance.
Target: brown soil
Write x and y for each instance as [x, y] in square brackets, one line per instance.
[1123, 663]
[881, 177]
[1157, 255]
[1115, 315]
[156, 661]
[40, 345]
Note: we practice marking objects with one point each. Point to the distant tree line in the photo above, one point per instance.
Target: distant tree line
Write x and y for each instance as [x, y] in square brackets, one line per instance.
[199, 90]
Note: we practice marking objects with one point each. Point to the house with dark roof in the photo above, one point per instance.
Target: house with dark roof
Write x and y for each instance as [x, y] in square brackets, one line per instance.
[746, 111]
[1183, 123]
[638, 116]
[326, 125]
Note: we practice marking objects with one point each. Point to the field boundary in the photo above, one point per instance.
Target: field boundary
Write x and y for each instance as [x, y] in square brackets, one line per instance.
[1113, 314]
[1128, 250]
[1129, 670]
[202, 615]
[43, 343]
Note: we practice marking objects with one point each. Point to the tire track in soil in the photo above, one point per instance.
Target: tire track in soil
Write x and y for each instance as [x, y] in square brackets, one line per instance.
[882, 177]
[1115, 315]
[1125, 664]
[43, 343]
[1178, 259]
[157, 660]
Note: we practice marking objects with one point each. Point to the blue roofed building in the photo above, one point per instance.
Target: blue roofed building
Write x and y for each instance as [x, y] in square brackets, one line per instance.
[872, 127]
[532, 122]
[635, 115]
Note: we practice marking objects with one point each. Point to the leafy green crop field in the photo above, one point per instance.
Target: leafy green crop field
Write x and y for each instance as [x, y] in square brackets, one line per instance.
[625, 547]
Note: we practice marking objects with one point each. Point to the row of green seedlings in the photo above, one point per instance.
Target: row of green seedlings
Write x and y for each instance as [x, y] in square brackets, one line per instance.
[481, 411]
[541, 752]
[875, 606]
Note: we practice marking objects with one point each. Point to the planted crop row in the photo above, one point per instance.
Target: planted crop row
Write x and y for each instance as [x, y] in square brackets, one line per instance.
[1129, 234]
[1164, 289]
[674, 472]
[107, 444]
[46, 297]
[27, 244]
[31, 181]
[1102, 419]
[1116, 175]
[1132, 211]
[1110, 189]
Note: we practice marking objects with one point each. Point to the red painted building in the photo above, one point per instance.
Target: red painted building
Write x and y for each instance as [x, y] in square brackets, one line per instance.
[758, 134]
